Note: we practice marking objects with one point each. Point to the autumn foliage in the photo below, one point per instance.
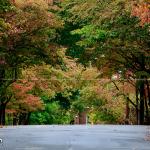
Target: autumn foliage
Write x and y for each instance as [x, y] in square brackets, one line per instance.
[28, 101]
[61, 59]
[142, 10]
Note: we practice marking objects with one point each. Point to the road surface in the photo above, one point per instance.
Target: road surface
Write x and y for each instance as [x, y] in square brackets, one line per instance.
[86, 137]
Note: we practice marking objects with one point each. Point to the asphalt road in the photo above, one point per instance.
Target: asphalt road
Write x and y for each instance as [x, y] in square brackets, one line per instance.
[99, 137]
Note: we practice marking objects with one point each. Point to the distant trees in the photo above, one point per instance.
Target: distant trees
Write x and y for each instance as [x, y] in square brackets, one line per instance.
[65, 93]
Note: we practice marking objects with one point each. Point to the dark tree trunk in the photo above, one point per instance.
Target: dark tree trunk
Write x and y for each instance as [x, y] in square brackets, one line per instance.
[148, 92]
[146, 112]
[141, 88]
[137, 106]
[2, 113]
[146, 108]
[2, 75]
[82, 118]
[15, 120]
[21, 118]
[24, 118]
[27, 118]
[3, 116]
[127, 112]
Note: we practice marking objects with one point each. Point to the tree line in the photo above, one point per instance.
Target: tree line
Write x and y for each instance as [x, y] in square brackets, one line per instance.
[58, 61]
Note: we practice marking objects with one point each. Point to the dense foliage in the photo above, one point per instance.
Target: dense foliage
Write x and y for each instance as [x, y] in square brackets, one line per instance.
[73, 60]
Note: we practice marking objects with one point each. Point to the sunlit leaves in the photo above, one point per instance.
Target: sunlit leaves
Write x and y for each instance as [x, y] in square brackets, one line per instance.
[90, 34]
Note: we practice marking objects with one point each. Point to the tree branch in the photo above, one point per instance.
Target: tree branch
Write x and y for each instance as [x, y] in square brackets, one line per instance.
[127, 97]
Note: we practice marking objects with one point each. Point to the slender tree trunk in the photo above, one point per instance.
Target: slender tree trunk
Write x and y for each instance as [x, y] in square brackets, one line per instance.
[3, 116]
[142, 102]
[127, 112]
[14, 119]
[2, 75]
[148, 101]
[2, 113]
[142, 90]
[21, 118]
[27, 118]
[146, 109]
[137, 106]
[148, 92]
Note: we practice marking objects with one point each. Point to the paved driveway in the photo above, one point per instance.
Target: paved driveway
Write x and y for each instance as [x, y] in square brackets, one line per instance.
[99, 137]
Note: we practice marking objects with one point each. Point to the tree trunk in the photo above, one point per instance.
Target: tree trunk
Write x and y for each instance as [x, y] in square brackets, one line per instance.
[27, 118]
[137, 106]
[146, 109]
[2, 75]
[141, 102]
[3, 116]
[24, 118]
[127, 112]
[82, 118]
[2, 113]
[21, 118]
[148, 92]
[15, 119]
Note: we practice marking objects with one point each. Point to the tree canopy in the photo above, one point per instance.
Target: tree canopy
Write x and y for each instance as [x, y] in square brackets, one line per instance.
[60, 60]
